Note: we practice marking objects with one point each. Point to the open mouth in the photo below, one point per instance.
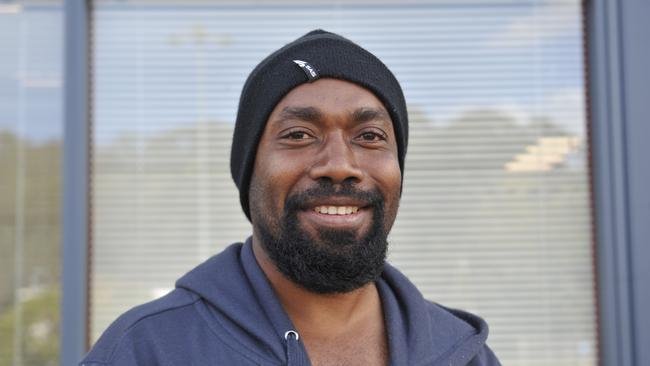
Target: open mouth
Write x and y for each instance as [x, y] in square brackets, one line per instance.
[337, 215]
[336, 210]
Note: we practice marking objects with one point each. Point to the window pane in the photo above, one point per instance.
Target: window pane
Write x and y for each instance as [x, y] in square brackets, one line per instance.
[495, 214]
[30, 140]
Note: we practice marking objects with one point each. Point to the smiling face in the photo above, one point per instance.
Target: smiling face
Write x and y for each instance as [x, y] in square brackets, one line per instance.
[325, 186]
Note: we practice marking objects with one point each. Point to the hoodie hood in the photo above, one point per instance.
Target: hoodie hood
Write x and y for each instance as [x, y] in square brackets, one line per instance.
[424, 332]
[241, 307]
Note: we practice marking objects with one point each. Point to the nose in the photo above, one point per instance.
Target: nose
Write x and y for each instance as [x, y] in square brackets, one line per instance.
[336, 162]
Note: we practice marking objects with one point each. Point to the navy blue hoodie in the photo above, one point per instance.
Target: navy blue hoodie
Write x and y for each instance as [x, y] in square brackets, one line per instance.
[225, 312]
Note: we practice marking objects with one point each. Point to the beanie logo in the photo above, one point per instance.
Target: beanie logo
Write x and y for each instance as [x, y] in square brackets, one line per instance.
[309, 70]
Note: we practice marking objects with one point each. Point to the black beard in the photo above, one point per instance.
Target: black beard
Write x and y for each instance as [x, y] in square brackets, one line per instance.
[334, 262]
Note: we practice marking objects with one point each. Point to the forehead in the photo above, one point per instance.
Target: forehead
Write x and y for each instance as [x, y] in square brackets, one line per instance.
[331, 96]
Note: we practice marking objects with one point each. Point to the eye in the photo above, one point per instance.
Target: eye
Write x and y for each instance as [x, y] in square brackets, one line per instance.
[297, 135]
[371, 136]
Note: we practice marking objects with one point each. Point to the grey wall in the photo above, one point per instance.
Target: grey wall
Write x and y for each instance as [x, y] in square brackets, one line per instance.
[619, 57]
[74, 213]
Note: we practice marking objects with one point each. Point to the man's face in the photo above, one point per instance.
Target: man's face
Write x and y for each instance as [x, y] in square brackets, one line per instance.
[325, 186]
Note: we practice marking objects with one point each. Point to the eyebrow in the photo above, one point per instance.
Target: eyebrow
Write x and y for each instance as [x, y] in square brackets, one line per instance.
[309, 114]
[312, 114]
[369, 114]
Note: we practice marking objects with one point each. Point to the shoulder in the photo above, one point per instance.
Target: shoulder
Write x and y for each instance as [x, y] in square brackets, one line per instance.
[457, 322]
[152, 321]
[467, 334]
[445, 335]
[485, 357]
[445, 323]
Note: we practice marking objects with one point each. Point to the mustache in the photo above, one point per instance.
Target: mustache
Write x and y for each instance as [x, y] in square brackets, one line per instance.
[326, 189]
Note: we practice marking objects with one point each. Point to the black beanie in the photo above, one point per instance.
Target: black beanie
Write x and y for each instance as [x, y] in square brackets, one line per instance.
[317, 54]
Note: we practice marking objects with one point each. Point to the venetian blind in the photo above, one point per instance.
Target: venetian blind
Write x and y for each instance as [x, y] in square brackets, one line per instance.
[495, 214]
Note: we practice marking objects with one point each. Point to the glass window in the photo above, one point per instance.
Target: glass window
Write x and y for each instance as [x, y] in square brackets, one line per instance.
[31, 40]
[495, 214]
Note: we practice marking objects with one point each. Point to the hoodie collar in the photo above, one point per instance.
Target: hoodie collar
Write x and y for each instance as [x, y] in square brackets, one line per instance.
[424, 333]
[296, 354]
[239, 304]
[243, 303]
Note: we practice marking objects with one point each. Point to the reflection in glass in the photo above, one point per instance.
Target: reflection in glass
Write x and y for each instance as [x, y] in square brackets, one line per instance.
[30, 146]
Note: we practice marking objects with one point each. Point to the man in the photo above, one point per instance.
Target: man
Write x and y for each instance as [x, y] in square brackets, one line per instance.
[318, 158]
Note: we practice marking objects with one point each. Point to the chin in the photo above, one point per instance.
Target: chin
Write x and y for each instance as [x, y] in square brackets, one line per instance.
[326, 260]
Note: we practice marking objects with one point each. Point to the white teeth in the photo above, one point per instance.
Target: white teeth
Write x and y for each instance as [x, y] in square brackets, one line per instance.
[336, 210]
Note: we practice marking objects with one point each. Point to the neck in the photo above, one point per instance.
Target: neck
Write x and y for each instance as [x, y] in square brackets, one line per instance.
[319, 314]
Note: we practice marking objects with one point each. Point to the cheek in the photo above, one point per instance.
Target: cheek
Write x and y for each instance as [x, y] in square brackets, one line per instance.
[261, 191]
[271, 183]
[256, 194]
[393, 197]
[389, 178]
